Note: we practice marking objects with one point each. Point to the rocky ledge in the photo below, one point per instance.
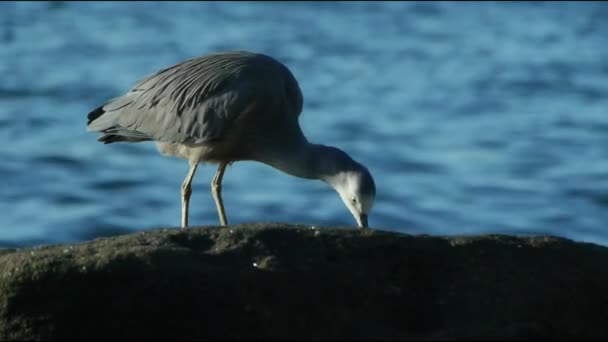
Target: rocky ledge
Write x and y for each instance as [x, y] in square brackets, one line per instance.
[273, 281]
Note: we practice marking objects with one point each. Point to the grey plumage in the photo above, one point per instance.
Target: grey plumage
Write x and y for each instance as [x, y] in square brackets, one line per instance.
[222, 108]
[196, 100]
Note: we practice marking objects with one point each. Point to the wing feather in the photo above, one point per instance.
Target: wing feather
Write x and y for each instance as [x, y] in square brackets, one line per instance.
[197, 100]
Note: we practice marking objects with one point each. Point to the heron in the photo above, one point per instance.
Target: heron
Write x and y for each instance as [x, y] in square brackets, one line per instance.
[226, 107]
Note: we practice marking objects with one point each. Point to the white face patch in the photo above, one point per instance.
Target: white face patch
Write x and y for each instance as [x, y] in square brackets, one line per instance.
[348, 186]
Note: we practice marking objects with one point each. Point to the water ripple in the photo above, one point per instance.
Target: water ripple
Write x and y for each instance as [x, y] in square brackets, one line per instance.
[463, 135]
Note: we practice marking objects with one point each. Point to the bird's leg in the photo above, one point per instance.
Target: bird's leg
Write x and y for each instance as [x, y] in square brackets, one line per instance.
[216, 190]
[186, 191]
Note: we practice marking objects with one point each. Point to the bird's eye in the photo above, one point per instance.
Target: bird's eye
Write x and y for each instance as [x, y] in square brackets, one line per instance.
[354, 200]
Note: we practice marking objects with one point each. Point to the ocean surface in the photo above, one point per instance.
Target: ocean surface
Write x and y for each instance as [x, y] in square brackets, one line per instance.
[474, 118]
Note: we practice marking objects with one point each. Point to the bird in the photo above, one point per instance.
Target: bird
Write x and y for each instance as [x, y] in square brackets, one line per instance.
[225, 107]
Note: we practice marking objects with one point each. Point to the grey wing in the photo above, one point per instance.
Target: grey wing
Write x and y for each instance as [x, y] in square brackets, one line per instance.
[191, 102]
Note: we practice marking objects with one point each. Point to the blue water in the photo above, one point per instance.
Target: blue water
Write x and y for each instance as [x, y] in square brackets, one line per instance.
[472, 117]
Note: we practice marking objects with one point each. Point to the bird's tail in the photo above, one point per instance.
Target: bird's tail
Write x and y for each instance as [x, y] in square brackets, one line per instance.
[104, 119]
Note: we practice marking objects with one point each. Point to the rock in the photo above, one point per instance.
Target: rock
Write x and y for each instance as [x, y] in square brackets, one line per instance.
[272, 281]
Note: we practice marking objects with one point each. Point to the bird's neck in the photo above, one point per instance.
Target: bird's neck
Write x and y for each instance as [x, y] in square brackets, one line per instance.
[311, 161]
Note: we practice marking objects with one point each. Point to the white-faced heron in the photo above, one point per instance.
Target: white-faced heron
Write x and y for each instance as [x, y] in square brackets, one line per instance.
[227, 107]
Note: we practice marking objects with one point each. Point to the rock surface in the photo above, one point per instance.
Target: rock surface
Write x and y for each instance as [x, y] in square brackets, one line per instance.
[273, 281]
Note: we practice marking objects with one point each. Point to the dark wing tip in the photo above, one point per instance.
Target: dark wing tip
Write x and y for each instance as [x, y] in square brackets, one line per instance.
[112, 138]
[108, 138]
[95, 114]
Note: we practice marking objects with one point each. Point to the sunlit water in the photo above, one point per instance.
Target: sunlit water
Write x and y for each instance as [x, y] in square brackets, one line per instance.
[472, 117]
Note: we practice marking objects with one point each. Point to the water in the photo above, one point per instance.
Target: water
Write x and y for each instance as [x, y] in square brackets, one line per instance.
[473, 117]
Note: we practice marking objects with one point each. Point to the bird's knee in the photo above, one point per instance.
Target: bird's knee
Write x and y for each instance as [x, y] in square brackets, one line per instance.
[216, 188]
[186, 190]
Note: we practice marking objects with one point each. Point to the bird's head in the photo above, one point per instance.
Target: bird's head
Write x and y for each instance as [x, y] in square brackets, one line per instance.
[357, 189]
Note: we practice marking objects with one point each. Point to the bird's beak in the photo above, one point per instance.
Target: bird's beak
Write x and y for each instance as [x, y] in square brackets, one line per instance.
[362, 220]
